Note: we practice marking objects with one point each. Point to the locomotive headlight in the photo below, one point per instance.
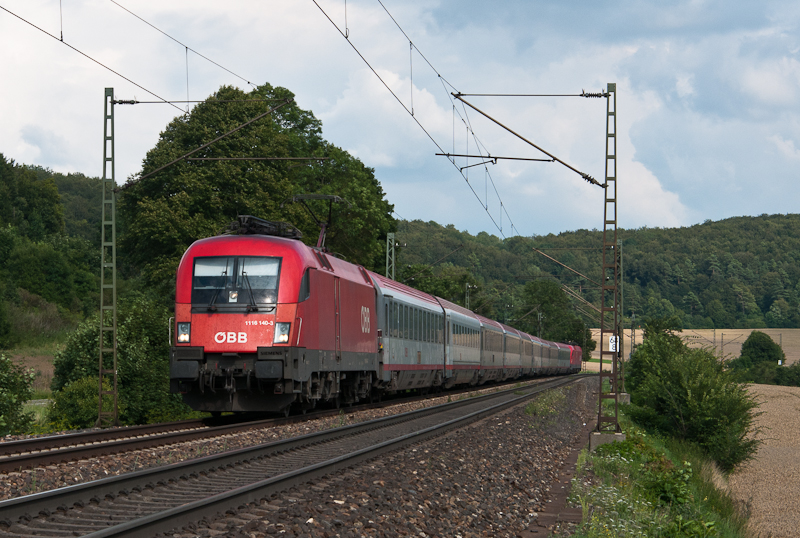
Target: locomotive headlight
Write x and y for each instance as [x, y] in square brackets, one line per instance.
[233, 296]
[184, 332]
[281, 333]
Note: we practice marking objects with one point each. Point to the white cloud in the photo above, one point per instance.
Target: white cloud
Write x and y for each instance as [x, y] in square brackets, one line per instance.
[683, 85]
[775, 82]
[786, 147]
[701, 96]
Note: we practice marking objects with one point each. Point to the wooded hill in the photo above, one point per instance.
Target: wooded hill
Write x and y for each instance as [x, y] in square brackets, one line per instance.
[741, 272]
[738, 272]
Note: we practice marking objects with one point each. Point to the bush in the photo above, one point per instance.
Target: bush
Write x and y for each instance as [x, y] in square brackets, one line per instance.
[6, 337]
[142, 361]
[688, 394]
[16, 388]
[76, 405]
[758, 348]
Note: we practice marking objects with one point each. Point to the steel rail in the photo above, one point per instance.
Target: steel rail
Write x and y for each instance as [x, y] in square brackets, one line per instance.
[55, 449]
[15, 454]
[190, 512]
[24, 509]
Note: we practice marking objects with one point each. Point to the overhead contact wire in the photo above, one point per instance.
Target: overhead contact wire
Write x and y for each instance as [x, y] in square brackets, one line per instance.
[178, 42]
[90, 58]
[397, 98]
[479, 145]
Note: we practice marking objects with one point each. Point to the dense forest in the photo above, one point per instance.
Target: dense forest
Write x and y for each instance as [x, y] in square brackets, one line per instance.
[738, 272]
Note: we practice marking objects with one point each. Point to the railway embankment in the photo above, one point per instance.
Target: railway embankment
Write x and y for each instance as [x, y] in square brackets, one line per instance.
[496, 476]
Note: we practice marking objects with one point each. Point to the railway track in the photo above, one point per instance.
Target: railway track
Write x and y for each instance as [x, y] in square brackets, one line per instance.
[55, 449]
[157, 500]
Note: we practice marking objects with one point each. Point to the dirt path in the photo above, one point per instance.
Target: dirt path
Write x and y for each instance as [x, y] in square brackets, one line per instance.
[770, 485]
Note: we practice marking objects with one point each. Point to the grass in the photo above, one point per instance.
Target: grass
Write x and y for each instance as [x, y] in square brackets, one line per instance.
[648, 486]
[546, 406]
[39, 413]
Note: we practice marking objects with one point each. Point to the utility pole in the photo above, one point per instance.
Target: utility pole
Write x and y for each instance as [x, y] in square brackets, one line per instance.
[108, 274]
[620, 328]
[390, 255]
[610, 297]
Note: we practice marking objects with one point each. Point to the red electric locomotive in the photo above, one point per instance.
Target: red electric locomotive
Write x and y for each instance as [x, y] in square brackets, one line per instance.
[251, 335]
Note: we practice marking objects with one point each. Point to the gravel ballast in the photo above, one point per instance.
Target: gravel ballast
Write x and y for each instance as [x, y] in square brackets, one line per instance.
[490, 479]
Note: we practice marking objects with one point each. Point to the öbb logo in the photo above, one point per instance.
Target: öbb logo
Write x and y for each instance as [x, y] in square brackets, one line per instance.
[231, 338]
[364, 319]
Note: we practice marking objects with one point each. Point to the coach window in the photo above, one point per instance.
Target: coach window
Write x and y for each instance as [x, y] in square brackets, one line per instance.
[429, 317]
[392, 319]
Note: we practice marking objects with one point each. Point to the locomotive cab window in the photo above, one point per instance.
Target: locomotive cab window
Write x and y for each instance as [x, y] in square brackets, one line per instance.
[234, 282]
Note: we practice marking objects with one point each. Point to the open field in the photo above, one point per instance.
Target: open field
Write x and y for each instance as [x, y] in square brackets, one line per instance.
[770, 484]
[726, 342]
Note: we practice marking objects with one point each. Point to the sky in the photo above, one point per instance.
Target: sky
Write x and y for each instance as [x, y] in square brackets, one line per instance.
[708, 123]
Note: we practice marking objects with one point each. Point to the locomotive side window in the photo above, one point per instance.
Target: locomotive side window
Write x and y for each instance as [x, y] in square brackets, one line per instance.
[235, 281]
[305, 290]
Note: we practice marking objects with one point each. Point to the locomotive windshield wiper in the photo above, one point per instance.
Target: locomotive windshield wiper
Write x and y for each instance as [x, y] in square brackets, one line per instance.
[251, 307]
[211, 306]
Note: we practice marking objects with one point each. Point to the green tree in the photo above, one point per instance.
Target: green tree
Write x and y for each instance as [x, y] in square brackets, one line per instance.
[446, 281]
[758, 348]
[142, 356]
[164, 213]
[29, 203]
[559, 322]
[16, 388]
